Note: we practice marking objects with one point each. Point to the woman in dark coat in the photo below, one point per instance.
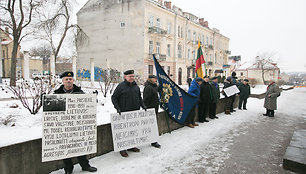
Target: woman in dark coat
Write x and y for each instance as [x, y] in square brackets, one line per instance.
[244, 94]
[150, 97]
[272, 93]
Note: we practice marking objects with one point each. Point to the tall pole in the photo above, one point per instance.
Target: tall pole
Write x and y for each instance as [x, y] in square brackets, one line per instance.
[92, 72]
[1, 58]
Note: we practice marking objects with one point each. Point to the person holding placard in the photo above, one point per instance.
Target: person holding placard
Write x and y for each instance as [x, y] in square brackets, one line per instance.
[227, 106]
[69, 87]
[150, 98]
[127, 97]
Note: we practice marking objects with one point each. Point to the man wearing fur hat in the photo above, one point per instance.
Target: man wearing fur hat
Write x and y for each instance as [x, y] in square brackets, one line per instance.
[244, 94]
[127, 97]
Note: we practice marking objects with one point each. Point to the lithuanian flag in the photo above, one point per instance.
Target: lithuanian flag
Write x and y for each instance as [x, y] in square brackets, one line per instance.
[200, 62]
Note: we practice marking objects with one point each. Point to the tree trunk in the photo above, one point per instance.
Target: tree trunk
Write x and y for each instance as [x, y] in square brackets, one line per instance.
[13, 63]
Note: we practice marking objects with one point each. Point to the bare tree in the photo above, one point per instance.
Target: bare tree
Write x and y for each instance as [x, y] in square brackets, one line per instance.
[59, 25]
[17, 15]
[108, 80]
[43, 51]
[263, 61]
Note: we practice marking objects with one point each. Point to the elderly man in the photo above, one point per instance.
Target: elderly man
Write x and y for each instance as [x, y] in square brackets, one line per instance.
[127, 97]
[272, 93]
[69, 87]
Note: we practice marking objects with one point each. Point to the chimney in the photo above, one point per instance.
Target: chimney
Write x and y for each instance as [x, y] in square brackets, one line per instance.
[201, 21]
[167, 4]
[7, 30]
[160, 2]
[206, 24]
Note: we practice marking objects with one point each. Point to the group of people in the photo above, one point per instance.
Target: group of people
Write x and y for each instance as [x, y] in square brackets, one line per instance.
[127, 97]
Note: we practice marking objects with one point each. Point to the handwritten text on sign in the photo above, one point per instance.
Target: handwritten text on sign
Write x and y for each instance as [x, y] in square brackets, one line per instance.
[132, 129]
[69, 126]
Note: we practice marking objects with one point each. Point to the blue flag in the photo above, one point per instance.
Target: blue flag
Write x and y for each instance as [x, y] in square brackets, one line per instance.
[177, 102]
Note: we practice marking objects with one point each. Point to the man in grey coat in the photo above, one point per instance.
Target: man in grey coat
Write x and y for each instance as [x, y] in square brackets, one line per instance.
[272, 93]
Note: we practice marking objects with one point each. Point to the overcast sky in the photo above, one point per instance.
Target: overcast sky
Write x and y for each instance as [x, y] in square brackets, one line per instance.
[257, 26]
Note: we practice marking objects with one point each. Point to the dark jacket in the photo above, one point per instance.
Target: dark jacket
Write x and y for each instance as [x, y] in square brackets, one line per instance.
[215, 92]
[75, 90]
[127, 97]
[150, 96]
[244, 91]
[194, 89]
[205, 92]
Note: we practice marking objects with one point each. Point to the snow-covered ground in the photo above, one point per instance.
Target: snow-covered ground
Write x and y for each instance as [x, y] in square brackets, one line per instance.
[179, 148]
[22, 126]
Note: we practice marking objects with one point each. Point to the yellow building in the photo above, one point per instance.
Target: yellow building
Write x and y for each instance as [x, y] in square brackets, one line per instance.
[124, 35]
[6, 52]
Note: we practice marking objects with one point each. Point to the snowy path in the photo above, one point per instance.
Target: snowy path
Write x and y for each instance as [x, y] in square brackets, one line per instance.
[225, 145]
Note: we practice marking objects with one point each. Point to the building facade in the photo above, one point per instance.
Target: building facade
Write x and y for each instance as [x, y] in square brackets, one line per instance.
[124, 35]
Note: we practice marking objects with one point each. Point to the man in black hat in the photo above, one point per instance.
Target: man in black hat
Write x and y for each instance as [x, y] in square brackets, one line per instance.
[234, 82]
[127, 97]
[215, 96]
[69, 87]
[205, 94]
[244, 94]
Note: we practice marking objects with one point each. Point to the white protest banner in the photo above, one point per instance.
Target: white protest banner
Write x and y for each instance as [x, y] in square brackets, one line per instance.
[231, 90]
[132, 129]
[69, 126]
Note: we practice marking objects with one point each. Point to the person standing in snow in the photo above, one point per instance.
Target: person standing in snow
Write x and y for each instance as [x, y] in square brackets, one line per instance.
[69, 87]
[150, 98]
[244, 94]
[127, 97]
[194, 90]
[205, 95]
[228, 100]
[233, 82]
[272, 93]
[215, 96]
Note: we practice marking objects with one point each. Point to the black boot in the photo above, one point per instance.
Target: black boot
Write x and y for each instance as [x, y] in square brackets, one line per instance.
[271, 113]
[267, 113]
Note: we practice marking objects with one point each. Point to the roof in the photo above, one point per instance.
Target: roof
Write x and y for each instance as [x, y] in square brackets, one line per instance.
[6, 42]
[257, 65]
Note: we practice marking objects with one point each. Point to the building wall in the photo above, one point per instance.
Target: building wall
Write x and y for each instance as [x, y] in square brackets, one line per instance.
[110, 44]
[257, 75]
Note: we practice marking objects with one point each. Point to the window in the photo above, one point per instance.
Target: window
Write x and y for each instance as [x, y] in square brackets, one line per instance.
[158, 25]
[169, 28]
[150, 47]
[179, 51]
[241, 74]
[150, 70]
[194, 36]
[168, 49]
[206, 40]
[157, 47]
[194, 54]
[151, 21]
[189, 34]
[3, 55]
[181, 32]
[122, 24]
[178, 31]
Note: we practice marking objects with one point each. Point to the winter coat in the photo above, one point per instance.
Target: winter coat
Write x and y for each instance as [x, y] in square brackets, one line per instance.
[226, 85]
[127, 97]
[215, 92]
[75, 90]
[205, 92]
[245, 91]
[150, 96]
[194, 89]
[272, 93]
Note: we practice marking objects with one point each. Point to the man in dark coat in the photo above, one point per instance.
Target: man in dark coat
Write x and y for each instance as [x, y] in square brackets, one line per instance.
[244, 94]
[189, 80]
[205, 95]
[127, 97]
[194, 90]
[150, 98]
[233, 82]
[215, 96]
[69, 87]
[228, 100]
[272, 93]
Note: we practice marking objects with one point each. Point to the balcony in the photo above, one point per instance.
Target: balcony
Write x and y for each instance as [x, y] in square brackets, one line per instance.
[227, 52]
[157, 30]
[226, 66]
[161, 57]
[210, 63]
[211, 47]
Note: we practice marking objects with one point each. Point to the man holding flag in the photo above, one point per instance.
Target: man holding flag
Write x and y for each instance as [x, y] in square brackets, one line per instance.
[200, 62]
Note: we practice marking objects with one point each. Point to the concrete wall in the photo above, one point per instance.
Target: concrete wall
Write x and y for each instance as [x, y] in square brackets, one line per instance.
[25, 158]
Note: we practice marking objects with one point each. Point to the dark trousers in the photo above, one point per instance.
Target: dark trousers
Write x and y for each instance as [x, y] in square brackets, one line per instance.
[212, 109]
[203, 106]
[227, 103]
[83, 161]
[270, 112]
[242, 101]
[191, 116]
[232, 102]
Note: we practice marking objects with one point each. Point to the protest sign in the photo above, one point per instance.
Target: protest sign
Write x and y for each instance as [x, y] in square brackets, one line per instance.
[135, 128]
[69, 126]
[231, 90]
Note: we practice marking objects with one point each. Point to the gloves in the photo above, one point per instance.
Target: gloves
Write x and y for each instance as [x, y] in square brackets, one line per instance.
[118, 111]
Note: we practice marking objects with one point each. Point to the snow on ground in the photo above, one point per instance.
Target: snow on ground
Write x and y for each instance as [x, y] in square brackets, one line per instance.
[180, 149]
